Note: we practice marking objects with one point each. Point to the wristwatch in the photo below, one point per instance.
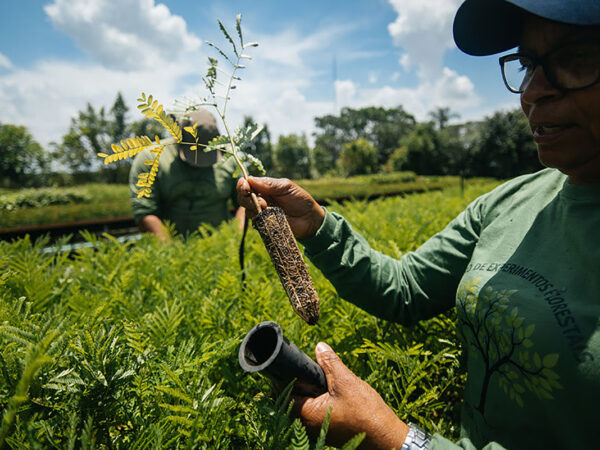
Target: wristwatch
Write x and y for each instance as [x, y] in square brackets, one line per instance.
[416, 439]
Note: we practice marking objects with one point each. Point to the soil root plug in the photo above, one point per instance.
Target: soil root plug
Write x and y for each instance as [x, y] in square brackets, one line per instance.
[289, 264]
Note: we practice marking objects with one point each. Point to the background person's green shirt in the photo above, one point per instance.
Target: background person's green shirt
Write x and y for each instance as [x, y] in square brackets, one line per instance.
[184, 195]
[522, 267]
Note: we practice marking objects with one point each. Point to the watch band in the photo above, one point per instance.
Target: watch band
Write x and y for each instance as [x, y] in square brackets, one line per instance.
[416, 439]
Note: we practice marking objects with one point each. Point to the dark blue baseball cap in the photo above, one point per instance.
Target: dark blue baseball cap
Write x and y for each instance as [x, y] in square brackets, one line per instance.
[485, 27]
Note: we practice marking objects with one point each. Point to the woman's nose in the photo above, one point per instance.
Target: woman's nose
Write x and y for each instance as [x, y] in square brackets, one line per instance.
[538, 87]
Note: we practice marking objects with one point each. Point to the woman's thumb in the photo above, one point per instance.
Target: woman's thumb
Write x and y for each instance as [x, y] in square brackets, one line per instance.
[270, 186]
[331, 363]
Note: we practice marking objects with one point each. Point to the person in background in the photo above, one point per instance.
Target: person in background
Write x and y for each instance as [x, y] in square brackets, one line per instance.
[521, 264]
[191, 188]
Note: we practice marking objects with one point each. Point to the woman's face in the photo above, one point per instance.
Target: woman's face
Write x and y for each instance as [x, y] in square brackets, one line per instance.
[565, 124]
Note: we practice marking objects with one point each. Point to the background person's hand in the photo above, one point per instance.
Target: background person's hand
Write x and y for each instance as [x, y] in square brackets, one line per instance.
[152, 224]
[356, 408]
[304, 214]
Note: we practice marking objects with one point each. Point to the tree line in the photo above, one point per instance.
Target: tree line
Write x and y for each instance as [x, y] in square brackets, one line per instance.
[353, 142]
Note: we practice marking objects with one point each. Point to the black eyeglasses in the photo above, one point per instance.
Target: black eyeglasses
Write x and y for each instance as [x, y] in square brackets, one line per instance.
[569, 67]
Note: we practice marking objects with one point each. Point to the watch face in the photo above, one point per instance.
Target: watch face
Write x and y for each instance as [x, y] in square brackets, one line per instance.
[416, 439]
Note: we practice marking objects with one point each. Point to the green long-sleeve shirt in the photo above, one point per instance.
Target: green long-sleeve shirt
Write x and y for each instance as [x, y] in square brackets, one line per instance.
[186, 196]
[522, 266]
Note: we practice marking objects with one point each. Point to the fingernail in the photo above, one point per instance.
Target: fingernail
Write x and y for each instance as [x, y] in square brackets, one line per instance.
[323, 347]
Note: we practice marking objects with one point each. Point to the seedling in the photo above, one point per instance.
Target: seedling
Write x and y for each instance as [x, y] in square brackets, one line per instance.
[270, 223]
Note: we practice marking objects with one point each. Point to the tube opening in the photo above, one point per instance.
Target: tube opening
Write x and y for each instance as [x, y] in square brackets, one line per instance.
[261, 345]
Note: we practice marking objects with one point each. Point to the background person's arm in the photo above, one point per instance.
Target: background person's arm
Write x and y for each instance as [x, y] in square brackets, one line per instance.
[240, 216]
[153, 224]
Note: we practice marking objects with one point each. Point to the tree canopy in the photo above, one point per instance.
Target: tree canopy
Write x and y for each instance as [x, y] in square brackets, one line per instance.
[357, 141]
[21, 156]
[292, 157]
[381, 127]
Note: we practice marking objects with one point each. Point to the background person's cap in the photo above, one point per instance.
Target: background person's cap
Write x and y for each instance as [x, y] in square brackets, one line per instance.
[485, 27]
[207, 130]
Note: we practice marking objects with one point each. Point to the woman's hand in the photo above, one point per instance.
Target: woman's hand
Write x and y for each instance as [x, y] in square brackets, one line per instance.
[304, 214]
[356, 408]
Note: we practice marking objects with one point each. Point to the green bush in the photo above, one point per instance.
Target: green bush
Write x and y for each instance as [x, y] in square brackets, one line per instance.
[134, 345]
[358, 157]
[397, 160]
[36, 198]
[365, 186]
[93, 201]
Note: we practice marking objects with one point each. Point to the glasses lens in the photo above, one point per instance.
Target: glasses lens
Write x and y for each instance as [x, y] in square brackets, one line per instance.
[575, 66]
[517, 71]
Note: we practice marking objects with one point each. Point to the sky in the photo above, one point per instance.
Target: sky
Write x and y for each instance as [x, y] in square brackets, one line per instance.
[314, 58]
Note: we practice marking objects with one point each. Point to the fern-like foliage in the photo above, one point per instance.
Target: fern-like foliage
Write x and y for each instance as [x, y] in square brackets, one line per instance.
[136, 339]
[111, 305]
[162, 324]
[128, 148]
[232, 144]
[354, 442]
[36, 357]
[146, 179]
[154, 110]
[300, 439]
[320, 445]
[242, 139]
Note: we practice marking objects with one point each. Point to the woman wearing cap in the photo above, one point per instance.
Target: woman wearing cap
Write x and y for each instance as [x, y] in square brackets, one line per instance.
[521, 264]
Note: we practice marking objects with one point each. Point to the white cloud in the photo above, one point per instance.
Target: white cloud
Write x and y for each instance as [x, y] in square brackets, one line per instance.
[126, 35]
[424, 30]
[372, 77]
[45, 97]
[275, 87]
[345, 92]
[289, 47]
[5, 62]
[449, 89]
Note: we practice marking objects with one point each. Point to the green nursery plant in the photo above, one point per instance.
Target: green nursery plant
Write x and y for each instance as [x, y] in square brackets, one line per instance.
[232, 143]
[270, 223]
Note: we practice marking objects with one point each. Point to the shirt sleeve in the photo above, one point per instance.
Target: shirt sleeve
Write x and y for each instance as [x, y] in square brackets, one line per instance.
[439, 442]
[143, 206]
[419, 286]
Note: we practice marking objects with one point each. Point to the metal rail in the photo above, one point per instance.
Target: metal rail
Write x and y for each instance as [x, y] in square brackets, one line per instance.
[117, 226]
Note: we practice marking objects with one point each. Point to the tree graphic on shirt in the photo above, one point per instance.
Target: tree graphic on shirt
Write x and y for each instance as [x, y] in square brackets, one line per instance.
[495, 332]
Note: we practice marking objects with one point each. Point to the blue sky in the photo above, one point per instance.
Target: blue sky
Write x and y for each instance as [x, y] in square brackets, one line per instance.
[314, 58]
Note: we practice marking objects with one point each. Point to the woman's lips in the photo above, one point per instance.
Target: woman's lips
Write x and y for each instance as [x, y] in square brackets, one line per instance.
[548, 134]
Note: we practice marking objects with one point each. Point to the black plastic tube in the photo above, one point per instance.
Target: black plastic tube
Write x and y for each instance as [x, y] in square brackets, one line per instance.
[266, 350]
